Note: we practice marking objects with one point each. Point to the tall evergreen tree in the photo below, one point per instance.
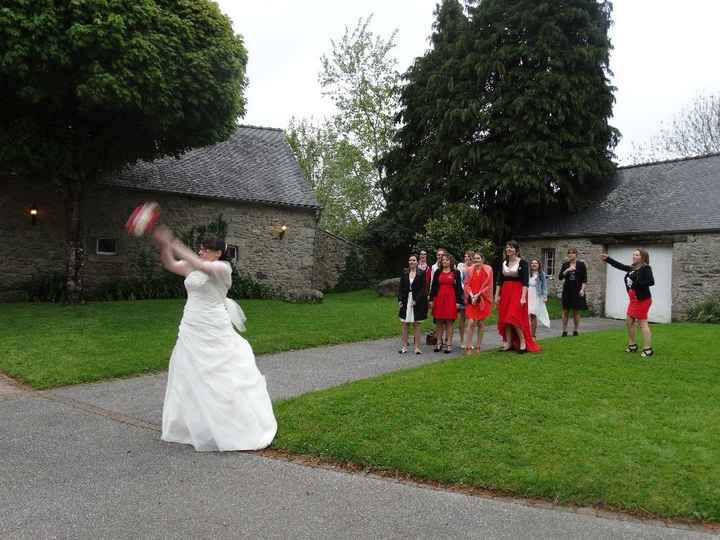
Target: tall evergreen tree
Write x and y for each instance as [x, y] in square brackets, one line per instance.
[520, 102]
[418, 178]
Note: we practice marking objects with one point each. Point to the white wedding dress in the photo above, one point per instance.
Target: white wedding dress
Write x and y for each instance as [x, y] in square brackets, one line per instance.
[216, 398]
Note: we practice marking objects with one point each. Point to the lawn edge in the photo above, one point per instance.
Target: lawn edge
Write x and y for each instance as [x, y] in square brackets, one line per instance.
[616, 513]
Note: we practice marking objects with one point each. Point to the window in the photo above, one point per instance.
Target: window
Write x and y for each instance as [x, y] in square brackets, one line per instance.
[548, 257]
[231, 252]
[106, 246]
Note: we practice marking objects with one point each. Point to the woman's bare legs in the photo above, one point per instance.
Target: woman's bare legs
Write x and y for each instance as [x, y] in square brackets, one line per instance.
[646, 333]
[448, 333]
[405, 335]
[576, 319]
[533, 324]
[417, 336]
[508, 337]
[565, 319]
[469, 334]
[630, 325]
[480, 333]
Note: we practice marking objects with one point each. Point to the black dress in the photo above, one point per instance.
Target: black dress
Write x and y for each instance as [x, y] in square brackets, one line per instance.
[419, 294]
[573, 282]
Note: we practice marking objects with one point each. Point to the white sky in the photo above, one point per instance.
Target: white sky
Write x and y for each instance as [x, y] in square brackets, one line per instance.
[665, 53]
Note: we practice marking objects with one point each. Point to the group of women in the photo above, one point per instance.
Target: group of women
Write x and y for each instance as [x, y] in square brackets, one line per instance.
[464, 292]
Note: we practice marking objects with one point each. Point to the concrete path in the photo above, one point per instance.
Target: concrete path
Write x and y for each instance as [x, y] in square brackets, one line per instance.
[86, 462]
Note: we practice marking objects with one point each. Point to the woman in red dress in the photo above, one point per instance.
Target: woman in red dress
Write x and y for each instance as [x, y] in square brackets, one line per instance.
[445, 298]
[638, 280]
[478, 299]
[511, 298]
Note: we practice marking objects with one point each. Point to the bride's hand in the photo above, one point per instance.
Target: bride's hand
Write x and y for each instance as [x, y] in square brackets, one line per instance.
[163, 235]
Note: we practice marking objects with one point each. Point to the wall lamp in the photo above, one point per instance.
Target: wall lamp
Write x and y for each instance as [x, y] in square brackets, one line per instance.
[280, 231]
[33, 214]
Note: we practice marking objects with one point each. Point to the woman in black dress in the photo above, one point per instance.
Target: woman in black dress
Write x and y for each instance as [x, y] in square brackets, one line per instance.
[412, 297]
[574, 275]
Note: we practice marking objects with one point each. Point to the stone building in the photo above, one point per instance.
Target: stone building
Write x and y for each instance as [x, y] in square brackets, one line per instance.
[671, 208]
[253, 180]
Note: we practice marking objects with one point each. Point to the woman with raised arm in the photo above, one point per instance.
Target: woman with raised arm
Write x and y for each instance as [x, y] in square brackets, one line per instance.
[216, 398]
[638, 280]
[478, 299]
[511, 298]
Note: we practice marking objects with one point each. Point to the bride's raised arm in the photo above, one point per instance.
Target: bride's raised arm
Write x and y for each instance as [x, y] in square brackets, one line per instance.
[189, 259]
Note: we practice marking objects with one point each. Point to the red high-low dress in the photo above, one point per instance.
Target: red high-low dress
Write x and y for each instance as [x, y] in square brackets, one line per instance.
[510, 310]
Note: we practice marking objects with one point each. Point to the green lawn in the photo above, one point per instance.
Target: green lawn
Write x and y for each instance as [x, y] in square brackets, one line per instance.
[582, 422]
[48, 345]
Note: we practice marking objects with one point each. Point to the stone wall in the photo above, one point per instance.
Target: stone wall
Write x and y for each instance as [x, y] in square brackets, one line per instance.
[696, 274]
[331, 252]
[28, 249]
[588, 252]
[282, 261]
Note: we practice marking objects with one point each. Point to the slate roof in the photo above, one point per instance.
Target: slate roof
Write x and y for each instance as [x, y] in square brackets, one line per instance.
[255, 164]
[678, 196]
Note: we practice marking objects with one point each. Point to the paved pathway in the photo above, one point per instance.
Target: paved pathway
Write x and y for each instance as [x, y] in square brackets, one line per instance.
[86, 462]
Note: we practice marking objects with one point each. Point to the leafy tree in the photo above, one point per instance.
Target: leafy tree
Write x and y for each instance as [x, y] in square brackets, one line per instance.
[90, 86]
[360, 76]
[507, 113]
[695, 131]
[338, 173]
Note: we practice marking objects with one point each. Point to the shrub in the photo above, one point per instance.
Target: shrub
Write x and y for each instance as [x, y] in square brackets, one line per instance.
[46, 288]
[355, 275]
[706, 312]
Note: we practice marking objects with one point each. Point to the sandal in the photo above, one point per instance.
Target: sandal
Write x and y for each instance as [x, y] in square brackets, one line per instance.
[469, 350]
[437, 348]
[522, 350]
[575, 333]
[564, 334]
[403, 350]
[448, 349]
[418, 351]
[647, 353]
[631, 348]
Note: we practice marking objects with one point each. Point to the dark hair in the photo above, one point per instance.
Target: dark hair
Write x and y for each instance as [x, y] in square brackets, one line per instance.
[572, 250]
[216, 244]
[513, 244]
[540, 264]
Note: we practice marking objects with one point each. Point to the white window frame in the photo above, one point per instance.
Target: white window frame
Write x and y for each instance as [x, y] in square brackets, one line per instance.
[544, 253]
[105, 253]
[234, 247]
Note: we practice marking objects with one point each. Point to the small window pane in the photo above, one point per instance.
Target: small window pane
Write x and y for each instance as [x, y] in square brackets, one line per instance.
[106, 246]
[548, 255]
[231, 252]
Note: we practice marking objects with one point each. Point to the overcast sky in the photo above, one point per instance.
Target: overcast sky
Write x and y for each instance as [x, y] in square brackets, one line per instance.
[665, 53]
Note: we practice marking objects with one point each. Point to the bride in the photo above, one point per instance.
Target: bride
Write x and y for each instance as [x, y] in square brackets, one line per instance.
[216, 398]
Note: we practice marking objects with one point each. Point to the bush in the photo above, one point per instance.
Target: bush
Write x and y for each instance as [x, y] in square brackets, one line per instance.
[706, 312]
[46, 288]
[243, 286]
[355, 275]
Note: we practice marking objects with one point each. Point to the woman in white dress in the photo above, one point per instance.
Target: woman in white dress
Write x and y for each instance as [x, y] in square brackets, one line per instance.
[537, 296]
[216, 398]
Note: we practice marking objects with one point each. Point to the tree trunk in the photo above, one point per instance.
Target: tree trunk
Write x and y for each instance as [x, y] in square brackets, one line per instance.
[74, 252]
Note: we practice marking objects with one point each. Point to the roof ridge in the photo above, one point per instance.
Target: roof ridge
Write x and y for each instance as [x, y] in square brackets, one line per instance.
[260, 127]
[674, 160]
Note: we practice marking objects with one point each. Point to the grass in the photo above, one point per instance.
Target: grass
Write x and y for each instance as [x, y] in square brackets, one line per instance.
[47, 345]
[580, 423]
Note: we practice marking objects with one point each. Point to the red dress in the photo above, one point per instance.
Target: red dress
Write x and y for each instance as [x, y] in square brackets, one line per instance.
[511, 311]
[479, 281]
[638, 309]
[445, 303]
